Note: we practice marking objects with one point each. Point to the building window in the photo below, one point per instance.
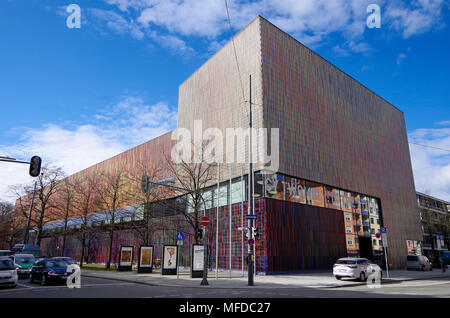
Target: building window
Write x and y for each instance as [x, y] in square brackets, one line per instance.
[348, 229]
[374, 242]
[350, 241]
[348, 217]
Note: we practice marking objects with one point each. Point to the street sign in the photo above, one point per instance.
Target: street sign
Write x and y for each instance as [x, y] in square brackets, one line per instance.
[251, 241]
[251, 216]
[180, 242]
[384, 239]
[180, 236]
[204, 221]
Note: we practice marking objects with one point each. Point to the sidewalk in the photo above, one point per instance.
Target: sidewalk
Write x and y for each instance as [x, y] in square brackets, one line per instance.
[309, 280]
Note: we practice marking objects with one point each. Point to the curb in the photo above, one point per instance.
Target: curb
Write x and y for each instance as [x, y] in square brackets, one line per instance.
[163, 284]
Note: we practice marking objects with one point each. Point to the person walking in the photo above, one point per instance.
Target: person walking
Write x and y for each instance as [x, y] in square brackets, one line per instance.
[443, 264]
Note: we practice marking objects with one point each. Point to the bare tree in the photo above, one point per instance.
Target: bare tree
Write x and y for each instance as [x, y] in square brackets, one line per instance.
[44, 201]
[145, 228]
[112, 195]
[6, 223]
[64, 207]
[85, 201]
[192, 176]
[48, 185]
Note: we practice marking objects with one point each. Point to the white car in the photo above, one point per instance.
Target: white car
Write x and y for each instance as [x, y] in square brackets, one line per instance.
[418, 262]
[8, 273]
[357, 268]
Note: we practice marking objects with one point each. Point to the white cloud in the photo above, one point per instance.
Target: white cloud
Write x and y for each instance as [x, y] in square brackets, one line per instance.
[310, 21]
[173, 43]
[414, 17]
[401, 57]
[443, 123]
[431, 166]
[116, 22]
[115, 129]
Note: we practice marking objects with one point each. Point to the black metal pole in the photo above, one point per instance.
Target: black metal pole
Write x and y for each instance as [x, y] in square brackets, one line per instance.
[25, 237]
[205, 254]
[250, 260]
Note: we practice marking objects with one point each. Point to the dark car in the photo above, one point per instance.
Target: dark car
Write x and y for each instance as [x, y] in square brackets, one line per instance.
[27, 249]
[5, 252]
[47, 270]
[66, 259]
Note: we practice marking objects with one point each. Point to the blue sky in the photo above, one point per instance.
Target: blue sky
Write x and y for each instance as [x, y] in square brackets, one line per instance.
[113, 83]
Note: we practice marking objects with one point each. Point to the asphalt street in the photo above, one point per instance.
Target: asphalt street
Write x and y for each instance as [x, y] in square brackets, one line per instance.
[105, 288]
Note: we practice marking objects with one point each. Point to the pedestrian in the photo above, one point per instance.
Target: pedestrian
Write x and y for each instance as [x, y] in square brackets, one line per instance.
[443, 264]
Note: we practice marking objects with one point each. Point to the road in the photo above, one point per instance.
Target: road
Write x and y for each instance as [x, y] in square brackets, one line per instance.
[105, 288]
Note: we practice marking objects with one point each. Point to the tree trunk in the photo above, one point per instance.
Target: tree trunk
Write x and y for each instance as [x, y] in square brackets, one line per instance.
[83, 242]
[64, 241]
[111, 237]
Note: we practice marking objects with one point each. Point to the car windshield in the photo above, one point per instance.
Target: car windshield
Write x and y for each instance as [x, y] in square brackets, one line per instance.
[24, 259]
[67, 260]
[346, 261]
[6, 264]
[56, 263]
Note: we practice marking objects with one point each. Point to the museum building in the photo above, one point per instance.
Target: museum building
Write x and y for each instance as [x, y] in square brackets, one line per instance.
[344, 165]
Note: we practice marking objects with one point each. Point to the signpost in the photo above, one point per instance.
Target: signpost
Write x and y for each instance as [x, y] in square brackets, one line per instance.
[385, 245]
[180, 237]
[204, 220]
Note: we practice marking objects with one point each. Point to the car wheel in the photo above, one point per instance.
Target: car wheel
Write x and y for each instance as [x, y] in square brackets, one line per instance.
[423, 268]
[338, 277]
[30, 278]
[362, 277]
[44, 280]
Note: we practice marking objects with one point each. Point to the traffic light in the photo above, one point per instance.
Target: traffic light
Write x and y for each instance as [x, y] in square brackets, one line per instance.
[255, 232]
[35, 166]
[200, 234]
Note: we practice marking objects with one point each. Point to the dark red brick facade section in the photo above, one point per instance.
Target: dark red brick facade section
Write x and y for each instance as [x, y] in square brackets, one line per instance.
[302, 237]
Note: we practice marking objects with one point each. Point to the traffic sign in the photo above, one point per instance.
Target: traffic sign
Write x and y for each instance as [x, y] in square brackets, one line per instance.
[251, 216]
[251, 241]
[378, 235]
[383, 230]
[204, 221]
[180, 236]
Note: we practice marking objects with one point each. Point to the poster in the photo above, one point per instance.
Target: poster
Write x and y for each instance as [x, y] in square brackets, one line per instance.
[170, 257]
[146, 259]
[198, 258]
[126, 255]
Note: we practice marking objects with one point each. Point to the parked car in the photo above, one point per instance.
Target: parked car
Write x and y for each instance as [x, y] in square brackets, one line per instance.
[47, 270]
[5, 252]
[27, 249]
[23, 264]
[68, 260]
[418, 262]
[357, 268]
[8, 274]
